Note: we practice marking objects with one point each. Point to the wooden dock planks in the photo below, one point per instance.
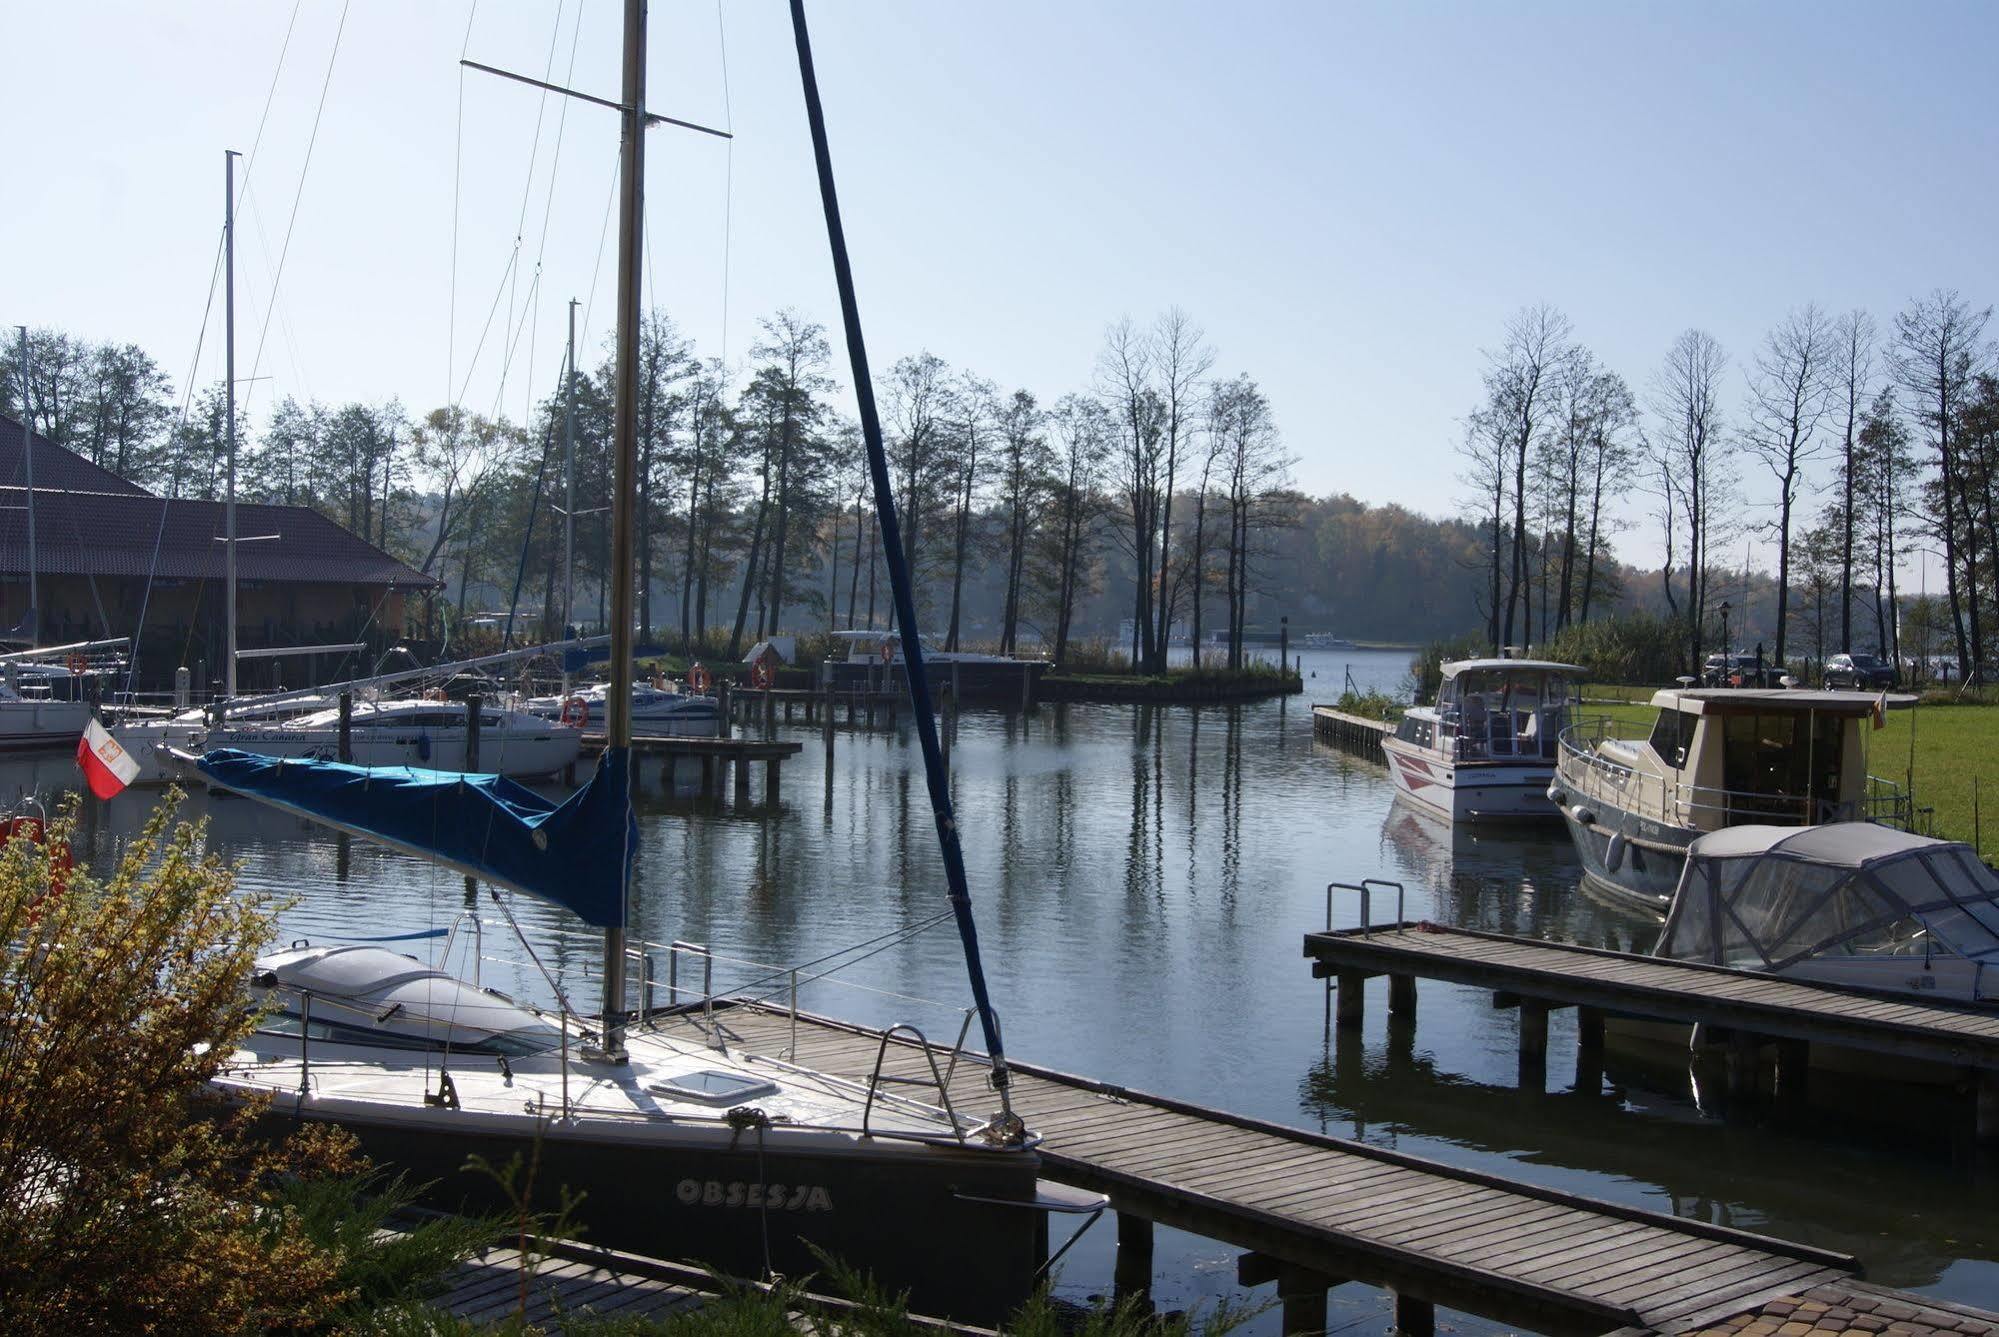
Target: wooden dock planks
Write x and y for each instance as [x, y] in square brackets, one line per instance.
[1674, 991]
[1518, 1253]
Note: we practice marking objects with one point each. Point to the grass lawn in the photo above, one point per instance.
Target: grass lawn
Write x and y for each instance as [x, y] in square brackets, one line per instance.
[1955, 746]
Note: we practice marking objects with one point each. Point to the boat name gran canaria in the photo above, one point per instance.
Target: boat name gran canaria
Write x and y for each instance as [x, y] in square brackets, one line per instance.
[737, 1193]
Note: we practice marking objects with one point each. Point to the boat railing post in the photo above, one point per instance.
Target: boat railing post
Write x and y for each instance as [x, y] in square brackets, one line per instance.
[793, 1050]
[304, 1042]
[672, 974]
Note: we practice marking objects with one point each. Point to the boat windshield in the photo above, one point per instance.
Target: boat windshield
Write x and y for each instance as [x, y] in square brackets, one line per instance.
[1769, 897]
[1505, 711]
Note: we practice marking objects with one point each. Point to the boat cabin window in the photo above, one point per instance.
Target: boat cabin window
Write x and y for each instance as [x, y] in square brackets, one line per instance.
[1783, 764]
[1672, 735]
[1417, 730]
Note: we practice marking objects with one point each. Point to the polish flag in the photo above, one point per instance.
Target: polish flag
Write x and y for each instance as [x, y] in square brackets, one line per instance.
[107, 766]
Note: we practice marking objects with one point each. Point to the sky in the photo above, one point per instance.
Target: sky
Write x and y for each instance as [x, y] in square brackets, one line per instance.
[1349, 200]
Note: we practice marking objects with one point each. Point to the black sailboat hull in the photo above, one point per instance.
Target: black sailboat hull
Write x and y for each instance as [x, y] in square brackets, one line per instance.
[956, 1229]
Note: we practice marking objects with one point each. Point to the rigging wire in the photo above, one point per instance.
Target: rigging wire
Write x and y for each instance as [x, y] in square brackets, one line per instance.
[200, 339]
[728, 174]
[312, 139]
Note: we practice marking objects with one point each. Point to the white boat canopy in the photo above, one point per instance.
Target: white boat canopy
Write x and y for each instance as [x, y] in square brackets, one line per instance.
[1772, 897]
[1701, 700]
[1454, 668]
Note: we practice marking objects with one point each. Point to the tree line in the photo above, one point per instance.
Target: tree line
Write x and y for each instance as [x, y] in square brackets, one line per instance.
[1873, 444]
[1158, 479]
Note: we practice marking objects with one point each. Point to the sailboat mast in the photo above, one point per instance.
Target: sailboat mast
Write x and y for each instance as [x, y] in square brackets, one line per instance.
[28, 462]
[229, 397]
[569, 492]
[624, 472]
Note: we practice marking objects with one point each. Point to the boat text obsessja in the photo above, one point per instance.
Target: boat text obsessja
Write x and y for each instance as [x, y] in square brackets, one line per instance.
[1634, 797]
[1486, 750]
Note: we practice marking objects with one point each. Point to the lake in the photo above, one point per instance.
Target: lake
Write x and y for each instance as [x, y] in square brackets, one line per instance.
[1142, 878]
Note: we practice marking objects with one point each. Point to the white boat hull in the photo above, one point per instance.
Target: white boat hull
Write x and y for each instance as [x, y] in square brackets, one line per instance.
[511, 754]
[27, 726]
[1470, 791]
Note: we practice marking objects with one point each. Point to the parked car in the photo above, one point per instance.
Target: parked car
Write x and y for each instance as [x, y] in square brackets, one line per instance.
[1860, 672]
[1740, 671]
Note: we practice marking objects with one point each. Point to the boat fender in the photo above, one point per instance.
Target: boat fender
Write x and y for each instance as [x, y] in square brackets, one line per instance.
[1586, 816]
[1555, 795]
[1613, 853]
[423, 747]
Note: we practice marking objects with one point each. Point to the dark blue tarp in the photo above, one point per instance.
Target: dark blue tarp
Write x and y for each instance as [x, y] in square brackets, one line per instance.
[574, 853]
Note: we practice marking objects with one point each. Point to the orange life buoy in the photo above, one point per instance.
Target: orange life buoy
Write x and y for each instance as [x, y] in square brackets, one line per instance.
[78, 666]
[699, 678]
[575, 712]
[888, 649]
[761, 674]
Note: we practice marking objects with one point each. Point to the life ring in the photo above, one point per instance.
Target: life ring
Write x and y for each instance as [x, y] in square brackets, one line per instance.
[575, 712]
[888, 649]
[761, 674]
[78, 666]
[699, 678]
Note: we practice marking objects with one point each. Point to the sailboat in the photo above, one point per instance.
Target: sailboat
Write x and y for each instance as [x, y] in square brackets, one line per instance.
[696, 1149]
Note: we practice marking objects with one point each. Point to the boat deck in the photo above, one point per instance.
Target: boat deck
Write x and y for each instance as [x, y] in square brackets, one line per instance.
[1318, 1211]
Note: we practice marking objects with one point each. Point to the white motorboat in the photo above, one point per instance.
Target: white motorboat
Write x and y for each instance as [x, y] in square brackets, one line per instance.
[1486, 750]
[657, 712]
[412, 732]
[1853, 904]
[1635, 797]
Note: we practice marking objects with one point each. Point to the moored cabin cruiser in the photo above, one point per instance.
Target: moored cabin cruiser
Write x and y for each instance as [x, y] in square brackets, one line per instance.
[1634, 798]
[421, 733]
[1486, 750]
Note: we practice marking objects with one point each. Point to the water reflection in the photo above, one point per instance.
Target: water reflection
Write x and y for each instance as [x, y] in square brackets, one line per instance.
[1143, 878]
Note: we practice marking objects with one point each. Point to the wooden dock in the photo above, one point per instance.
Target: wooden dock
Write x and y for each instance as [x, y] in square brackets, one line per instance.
[1753, 1009]
[1355, 733]
[565, 1280]
[716, 755]
[1312, 1212]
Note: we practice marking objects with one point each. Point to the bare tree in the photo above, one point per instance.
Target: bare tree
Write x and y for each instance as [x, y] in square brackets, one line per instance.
[1936, 341]
[1180, 362]
[1124, 382]
[1485, 452]
[1520, 392]
[1084, 436]
[1853, 375]
[1024, 465]
[1692, 467]
[917, 402]
[968, 465]
[1790, 393]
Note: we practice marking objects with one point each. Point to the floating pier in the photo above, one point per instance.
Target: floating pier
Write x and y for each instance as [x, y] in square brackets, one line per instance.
[1312, 1212]
[1754, 1011]
[1355, 733]
[716, 756]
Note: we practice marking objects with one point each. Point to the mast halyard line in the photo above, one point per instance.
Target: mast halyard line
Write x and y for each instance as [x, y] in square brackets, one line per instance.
[569, 494]
[650, 118]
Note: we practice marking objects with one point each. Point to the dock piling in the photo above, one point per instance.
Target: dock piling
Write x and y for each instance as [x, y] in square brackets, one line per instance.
[1414, 1317]
[1794, 1061]
[1987, 1105]
[1352, 1005]
[1402, 996]
[1534, 1043]
[1589, 1050]
[1132, 1272]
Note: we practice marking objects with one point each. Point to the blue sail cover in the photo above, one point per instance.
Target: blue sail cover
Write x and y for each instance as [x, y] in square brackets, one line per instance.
[575, 853]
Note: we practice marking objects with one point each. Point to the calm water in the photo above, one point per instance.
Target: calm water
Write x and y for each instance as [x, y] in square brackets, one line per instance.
[1142, 880]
